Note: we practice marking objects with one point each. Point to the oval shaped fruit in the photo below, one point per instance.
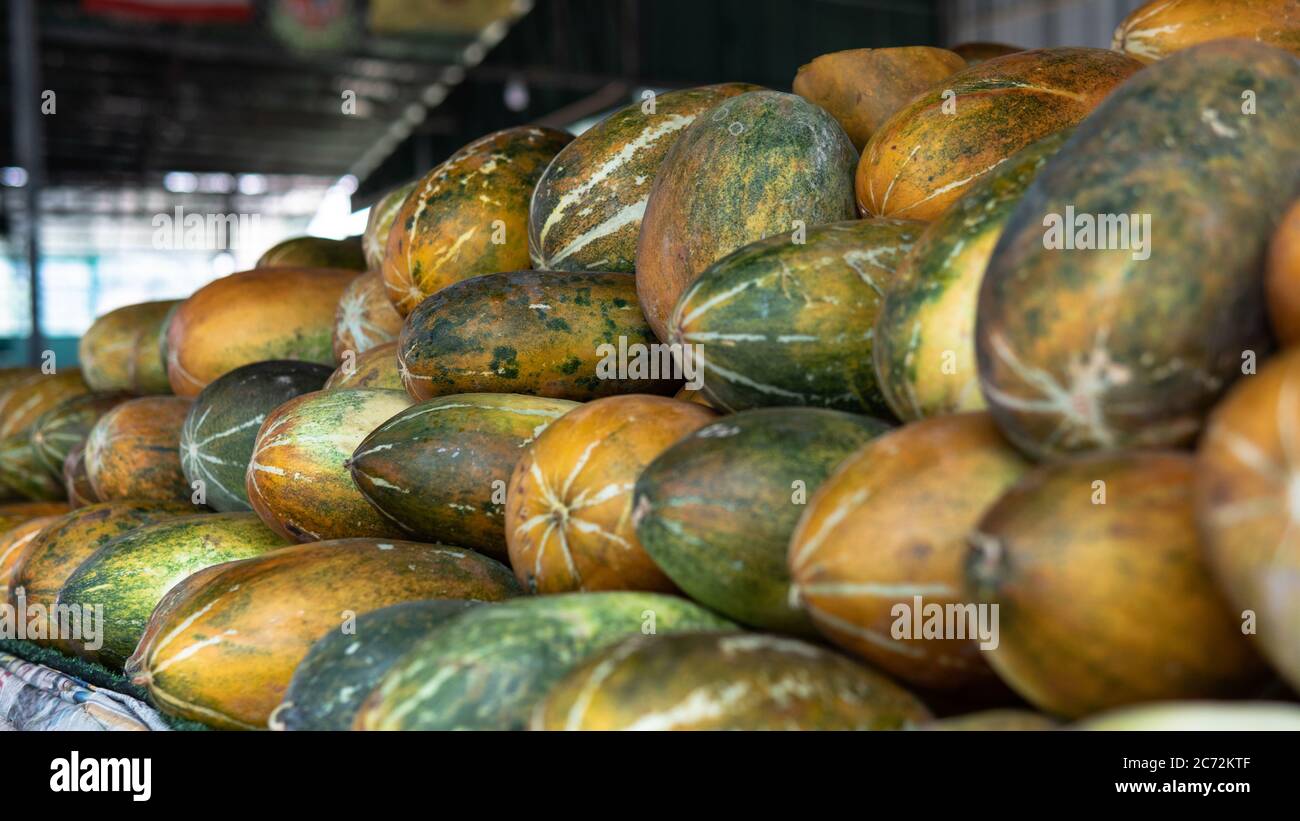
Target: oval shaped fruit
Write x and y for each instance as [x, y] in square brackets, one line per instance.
[724, 681]
[119, 352]
[997, 720]
[923, 346]
[224, 655]
[917, 491]
[254, 316]
[374, 240]
[1159, 28]
[377, 368]
[220, 430]
[979, 52]
[76, 481]
[586, 210]
[566, 336]
[12, 376]
[1282, 279]
[127, 577]
[314, 252]
[68, 424]
[15, 513]
[60, 548]
[1103, 593]
[22, 474]
[863, 87]
[784, 322]
[1199, 716]
[931, 151]
[22, 403]
[439, 469]
[468, 216]
[569, 507]
[365, 318]
[341, 669]
[716, 510]
[14, 544]
[133, 451]
[750, 168]
[298, 479]
[489, 668]
[1128, 345]
[1246, 505]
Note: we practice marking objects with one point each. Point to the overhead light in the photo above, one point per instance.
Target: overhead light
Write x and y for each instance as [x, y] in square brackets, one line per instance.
[435, 94]
[252, 184]
[516, 94]
[180, 182]
[13, 176]
[216, 183]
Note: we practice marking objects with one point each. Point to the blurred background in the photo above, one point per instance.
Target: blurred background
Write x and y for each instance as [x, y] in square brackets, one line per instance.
[149, 146]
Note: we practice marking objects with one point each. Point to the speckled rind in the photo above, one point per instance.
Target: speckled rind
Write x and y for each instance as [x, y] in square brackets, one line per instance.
[76, 481]
[439, 469]
[314, 252]
[14, 544]
[716, 510]
[68, 424]
[488, 669]
[377, 368]
[22, 474]
[724, 681]
[374, 240]
[1157, 29]
[133, 451]
[1095, 350]
[748, 169]
[785, 323]
[28, 397]
[119, 351]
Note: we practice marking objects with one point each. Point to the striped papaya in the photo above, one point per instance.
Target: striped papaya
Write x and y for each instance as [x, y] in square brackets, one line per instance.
[1245, 504]
[68, 424]
[315, 252]
[365, 318]
[60, 548]
[951, 467]
[13, 514]
[468, 216]
[133, 451]
[586, 210]
[254, 316]
[724, 681]
[1129, 344]
[128, 576]
[1104, 605]
[440, 468]
[715, 511]
[1282, 278]
[788, 320]
[1159, 28]
[862, 87]
[119, 352]
[753, 166]
[298, 479]
[216, 441]
[76, 481]
[489, 668]
[535, 332]
[568, 517]
[340, 670]
[377, 368]
[22, 403]
[374, 240]
[933, 149]
[924, 341]
[14, 544]
[224, 653]
[22, 474]
[12, 376]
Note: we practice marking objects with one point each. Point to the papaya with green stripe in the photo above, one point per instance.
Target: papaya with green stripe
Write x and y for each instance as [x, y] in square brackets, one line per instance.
[68, 424]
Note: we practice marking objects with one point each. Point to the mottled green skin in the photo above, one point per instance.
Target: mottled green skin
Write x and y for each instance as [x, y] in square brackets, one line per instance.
[725, 681]
[925, 333]
[221, 428]
[1093, 350]
[382, 215]
[67, 425]
[489, 668]
[781, 323]
[586, 210]
[748, 169]
[439, 469]
[484, 336]
[341, 669]
[716, 510]
[129, 575]
[23, 474]
[315, 252]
